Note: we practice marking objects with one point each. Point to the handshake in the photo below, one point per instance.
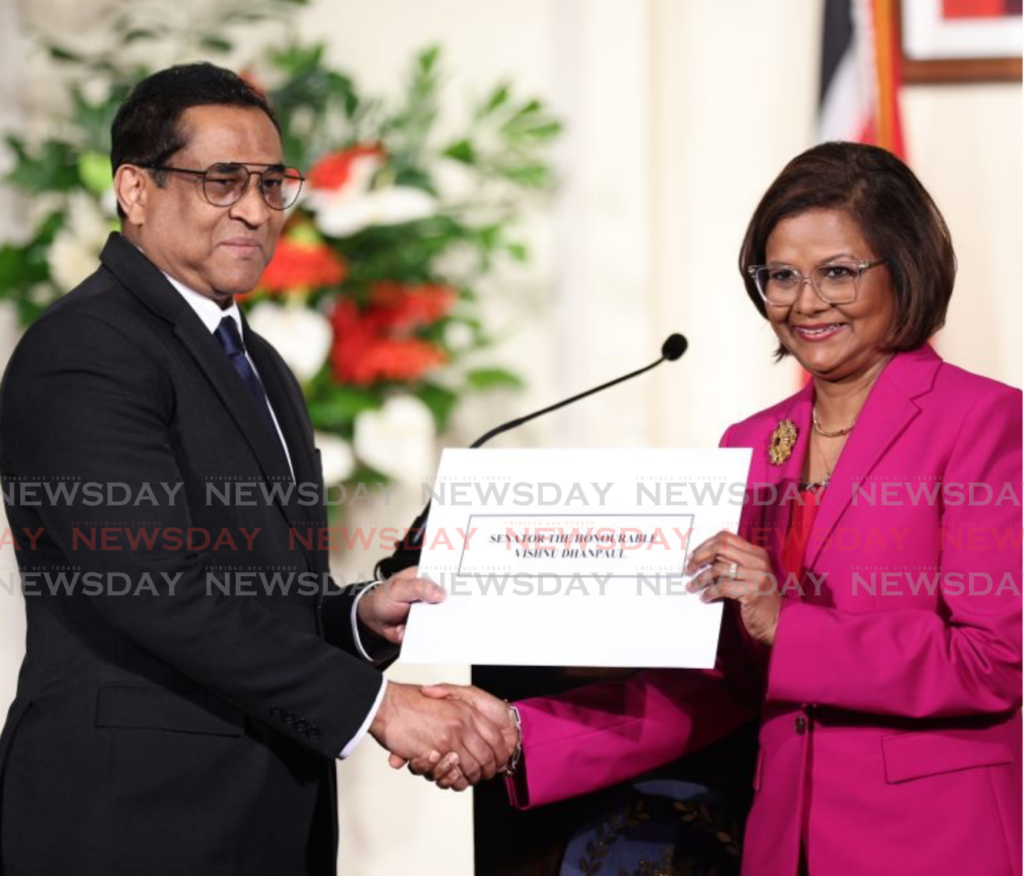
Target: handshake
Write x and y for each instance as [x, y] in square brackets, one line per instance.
[454, 736]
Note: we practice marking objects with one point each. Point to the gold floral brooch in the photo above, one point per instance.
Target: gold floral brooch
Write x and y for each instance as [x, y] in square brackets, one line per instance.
[782, 443]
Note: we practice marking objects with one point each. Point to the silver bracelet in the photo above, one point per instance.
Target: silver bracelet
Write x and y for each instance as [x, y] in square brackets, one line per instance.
[513, 762]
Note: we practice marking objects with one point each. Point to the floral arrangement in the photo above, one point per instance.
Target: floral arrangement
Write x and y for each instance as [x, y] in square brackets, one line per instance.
[372, 296]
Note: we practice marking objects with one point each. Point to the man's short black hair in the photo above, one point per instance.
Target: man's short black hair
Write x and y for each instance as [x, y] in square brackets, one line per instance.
[147, 129]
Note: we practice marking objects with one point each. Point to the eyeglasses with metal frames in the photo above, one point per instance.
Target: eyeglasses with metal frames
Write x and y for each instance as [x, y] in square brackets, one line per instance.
[226, 183]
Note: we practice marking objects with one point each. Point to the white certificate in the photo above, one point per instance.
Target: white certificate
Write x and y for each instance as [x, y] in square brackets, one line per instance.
[573, 557]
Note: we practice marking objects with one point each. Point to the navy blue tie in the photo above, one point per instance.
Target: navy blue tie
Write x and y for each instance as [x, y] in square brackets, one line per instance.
[230, 339]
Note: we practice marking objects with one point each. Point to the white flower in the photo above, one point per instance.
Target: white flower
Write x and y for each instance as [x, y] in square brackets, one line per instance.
[350, 208]
[74, 253]
[95, 89]
[336, 457]
[455, 180]
[360, 175]
[398, 204]
[302, 336]
[42, 294]
[341, 215]
[460, 261]
[108, 201]
[10, 329]
[86, 216]
[458, 336]
[398, 439]
[71, 260]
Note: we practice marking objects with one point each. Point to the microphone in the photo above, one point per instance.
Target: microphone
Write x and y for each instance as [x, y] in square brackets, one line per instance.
[672, 349]
[408, 552]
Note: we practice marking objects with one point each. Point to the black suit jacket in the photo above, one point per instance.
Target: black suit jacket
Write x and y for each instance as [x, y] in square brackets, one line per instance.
[170, 729]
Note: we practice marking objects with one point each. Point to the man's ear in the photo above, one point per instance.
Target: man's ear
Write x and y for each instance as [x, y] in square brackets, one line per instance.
[131, 185]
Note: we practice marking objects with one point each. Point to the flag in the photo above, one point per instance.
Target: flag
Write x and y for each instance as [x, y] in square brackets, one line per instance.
[860, 74]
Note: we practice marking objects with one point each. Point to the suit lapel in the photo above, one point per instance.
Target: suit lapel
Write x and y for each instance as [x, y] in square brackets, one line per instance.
[237, 399]
[783, 480]
[887, 412]
[150, 286]
[288, 407]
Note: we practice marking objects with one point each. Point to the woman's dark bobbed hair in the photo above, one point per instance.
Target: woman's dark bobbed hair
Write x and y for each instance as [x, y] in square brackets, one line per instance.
[896, 215]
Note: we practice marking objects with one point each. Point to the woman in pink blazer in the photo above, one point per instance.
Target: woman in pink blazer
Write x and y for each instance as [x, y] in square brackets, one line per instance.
[874, 602]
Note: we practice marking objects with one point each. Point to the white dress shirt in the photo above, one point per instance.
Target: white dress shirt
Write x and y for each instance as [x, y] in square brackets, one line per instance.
[211, 313]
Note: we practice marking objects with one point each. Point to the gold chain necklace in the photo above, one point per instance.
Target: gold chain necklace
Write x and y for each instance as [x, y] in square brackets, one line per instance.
[839, 433]
[820, 485]
[828, 468]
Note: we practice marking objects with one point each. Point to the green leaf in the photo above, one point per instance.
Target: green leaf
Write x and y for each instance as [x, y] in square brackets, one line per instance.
[59, 53]
[94, 171]
[216, 44]
[533, 175]
[489, 236]
[415, 178]
[441, 402]
[518, 251]
[365, 474]
[139, 33]
[493, 378]
[545, 130]
[304, 233]
[16, 269]
[461, 150]
[498, 97]
[245, 16]
[340, 405]
[54, 168]
[428, 58]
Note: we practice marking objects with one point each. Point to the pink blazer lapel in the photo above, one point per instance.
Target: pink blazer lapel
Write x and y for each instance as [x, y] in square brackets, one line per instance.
[784, 479]
[887, 412]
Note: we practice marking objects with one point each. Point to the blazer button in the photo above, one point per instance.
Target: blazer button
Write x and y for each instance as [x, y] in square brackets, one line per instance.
[800, 724]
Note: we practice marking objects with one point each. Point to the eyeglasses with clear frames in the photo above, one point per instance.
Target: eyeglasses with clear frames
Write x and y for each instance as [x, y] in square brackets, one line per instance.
[226, 183]
[836, 282]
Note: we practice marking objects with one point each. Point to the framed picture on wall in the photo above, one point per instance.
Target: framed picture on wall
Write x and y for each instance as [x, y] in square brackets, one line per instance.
[960, 40]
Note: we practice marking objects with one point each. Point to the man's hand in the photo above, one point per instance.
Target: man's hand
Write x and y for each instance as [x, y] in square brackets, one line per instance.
[447, 771]
[385, 609]
[413, 726]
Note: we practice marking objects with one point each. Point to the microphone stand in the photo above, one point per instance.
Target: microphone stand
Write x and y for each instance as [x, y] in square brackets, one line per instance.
[408, 552]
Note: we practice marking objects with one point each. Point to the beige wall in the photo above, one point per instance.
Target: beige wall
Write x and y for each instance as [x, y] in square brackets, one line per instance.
[678, 121]
[965, 144]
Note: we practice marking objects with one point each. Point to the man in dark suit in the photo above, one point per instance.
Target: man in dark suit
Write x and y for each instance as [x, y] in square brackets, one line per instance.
[180, 708]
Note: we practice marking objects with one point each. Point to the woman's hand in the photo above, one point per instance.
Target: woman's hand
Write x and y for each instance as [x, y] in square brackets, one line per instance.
[736, 569]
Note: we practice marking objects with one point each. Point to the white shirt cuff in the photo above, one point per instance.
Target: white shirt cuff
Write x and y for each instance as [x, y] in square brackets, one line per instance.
[361, 732]
[355, 622]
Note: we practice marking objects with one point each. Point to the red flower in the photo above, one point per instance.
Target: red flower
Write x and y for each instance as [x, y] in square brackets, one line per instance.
[302, 266]
[334, 169]
[407, 307]
[363, 353]
[365, 362]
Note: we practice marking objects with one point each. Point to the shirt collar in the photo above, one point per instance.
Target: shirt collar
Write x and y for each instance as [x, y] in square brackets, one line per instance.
[208, 310]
